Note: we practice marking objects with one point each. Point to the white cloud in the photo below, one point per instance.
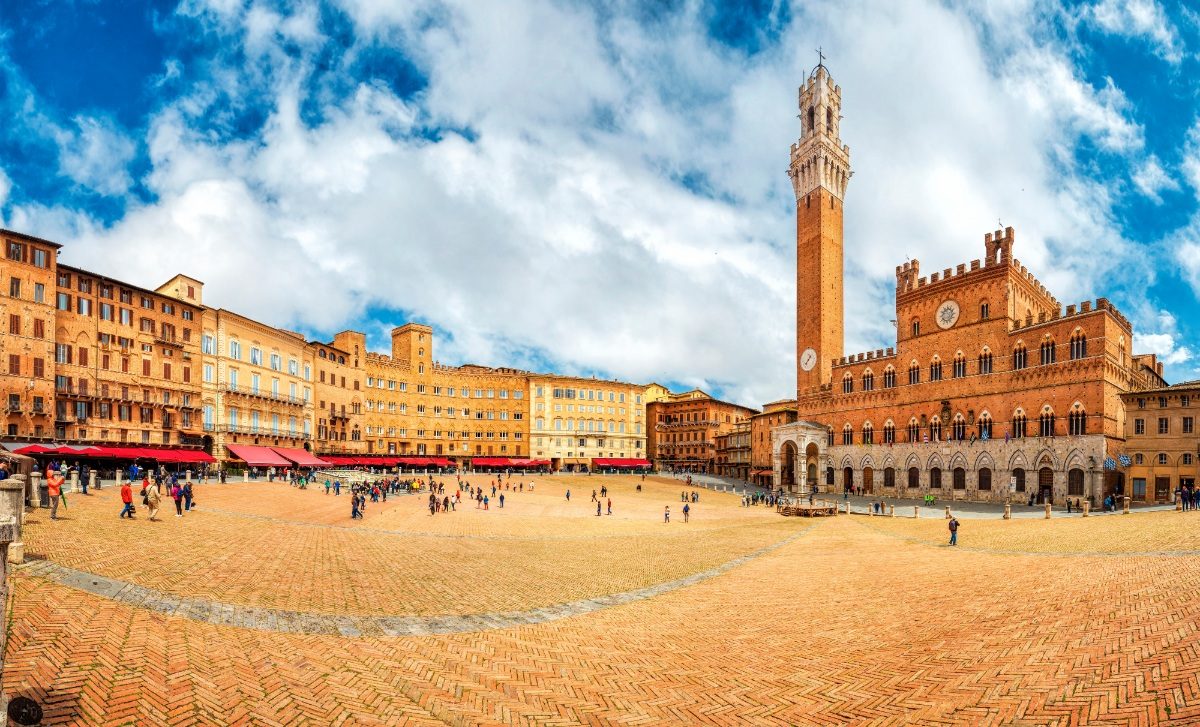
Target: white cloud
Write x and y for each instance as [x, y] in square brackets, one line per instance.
[1153, 180]
[96, 154]
[559, 224]
[1142, 19]
[1166, 343]
[5, 189]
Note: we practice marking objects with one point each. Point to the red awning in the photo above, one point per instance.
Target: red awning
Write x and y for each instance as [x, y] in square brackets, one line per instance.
[35, 449]
[257, 456]
[302, 457]
[516, 462]
[619, 462]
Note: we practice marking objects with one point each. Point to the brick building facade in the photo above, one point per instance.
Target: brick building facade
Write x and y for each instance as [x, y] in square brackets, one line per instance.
[683, 429]
[992, 390]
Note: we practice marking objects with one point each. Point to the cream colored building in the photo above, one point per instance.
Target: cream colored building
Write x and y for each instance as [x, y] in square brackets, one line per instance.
[257, 384]
[576, 420]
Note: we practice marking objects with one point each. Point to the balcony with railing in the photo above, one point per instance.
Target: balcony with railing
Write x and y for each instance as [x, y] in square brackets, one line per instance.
[265, 395]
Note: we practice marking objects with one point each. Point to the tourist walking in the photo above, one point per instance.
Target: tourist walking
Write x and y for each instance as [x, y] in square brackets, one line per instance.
[501, 499]
[568, 495]
[127, 498]
[597, 508]
[187, 496]
[953, 525]
[686, 510]
[151, 498]
[667, 514]
[610, 506]
[177, 496]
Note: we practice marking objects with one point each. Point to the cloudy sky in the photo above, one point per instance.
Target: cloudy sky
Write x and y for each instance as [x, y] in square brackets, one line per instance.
[598, 187]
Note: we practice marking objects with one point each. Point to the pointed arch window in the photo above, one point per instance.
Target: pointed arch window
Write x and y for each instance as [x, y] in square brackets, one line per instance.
[1020, 357]
[868, 433]
[1077, 422]
[889, 378]
[1078, 346]
[914, 431]
[914, 374]
[960, 366]
[935, 430]
[985, 426]
[847, 384]
[868, 381]
[847, 434]
[1046, 424]
[1048, 355]
[889, 433]
[959, 429]
[1019, 425]
[935, 371]
[985, 478]
[985, 362]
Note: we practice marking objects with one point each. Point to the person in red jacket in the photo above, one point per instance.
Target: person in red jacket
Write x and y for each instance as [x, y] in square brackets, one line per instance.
[127, 498]
[54, 485]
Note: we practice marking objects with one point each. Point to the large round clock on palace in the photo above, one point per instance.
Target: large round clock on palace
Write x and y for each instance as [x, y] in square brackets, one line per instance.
[947, 314]
[808, 359]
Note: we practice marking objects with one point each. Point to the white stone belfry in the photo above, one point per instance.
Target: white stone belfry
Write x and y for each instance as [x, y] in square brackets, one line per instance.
[819, 158]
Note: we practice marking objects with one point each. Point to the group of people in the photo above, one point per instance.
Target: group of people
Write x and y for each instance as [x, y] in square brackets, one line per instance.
[1188, 497]
[769, 499]
[152, 491]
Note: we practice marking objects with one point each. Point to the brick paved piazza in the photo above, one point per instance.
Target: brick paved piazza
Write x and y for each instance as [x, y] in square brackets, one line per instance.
[269, 606]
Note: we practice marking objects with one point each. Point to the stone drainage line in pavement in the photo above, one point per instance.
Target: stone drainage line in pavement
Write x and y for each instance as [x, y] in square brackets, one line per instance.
[299, 622]
[1059, 554]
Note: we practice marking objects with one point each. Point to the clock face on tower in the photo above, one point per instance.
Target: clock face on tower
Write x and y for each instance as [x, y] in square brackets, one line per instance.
[808, 359]
[947, 314]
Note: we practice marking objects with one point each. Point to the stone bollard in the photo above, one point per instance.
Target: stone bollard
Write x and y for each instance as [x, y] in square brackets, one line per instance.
[74, 482]
[892, 510]
[1125, 503]
[1087, 506]
[40, 498]
[117, 477]
[1007, 511]
[916, 512]
[12, 508]
[245, 477]
[948, 516]
[189, 475]
[1048, 510]
[1179, 505]
[93, 481]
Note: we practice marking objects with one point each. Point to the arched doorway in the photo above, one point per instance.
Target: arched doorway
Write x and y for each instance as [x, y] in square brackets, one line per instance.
[868, 480]
[1045, 485]
[787, 466]
[848, 478]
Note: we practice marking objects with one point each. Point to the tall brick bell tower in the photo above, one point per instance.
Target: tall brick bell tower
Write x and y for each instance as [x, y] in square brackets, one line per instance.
[819, 171]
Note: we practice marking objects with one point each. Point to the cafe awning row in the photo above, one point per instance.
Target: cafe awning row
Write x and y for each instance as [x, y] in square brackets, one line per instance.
[301, 457]
[393, 461]
[619, 462]
[162, 455]
[258, 456]
[515, 462]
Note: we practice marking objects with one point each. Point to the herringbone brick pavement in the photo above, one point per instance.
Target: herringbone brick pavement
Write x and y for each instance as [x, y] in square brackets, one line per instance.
[846, 625]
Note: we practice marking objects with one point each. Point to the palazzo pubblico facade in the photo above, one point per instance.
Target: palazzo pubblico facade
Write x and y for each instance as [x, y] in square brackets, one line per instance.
[994, 389]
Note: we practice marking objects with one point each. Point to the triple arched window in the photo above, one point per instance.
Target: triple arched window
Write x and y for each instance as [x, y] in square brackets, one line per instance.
[1048, 352]
[1077, 422]
[1078, 346]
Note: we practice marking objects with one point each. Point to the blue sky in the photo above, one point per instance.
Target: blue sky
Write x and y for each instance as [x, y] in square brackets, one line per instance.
[599, 188]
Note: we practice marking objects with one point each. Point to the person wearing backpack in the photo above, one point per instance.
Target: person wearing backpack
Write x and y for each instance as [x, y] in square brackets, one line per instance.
[127, 498]
[177, 496]
[953, 525]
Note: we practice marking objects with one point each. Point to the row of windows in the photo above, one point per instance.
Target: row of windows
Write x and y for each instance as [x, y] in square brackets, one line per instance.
[22, 253]
[1164, 425]
[439, 434]
[560, 425]
[957, 430]
[1078, 350]
[465, 392]
[958, 478]
[1184, 400]
[14, 290]
[1186, 459]
[589, 394]
[105, 290]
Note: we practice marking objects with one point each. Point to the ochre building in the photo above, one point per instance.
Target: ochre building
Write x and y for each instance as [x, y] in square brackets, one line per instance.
[1162, 441]
[993, 390]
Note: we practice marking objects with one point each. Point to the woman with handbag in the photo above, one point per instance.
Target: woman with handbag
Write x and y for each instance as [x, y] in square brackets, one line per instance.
[151, 498]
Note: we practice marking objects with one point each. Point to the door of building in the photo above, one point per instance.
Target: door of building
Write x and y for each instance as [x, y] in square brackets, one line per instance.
[848, 478]
[1045, 485]
[1162, 489]
[868, 480]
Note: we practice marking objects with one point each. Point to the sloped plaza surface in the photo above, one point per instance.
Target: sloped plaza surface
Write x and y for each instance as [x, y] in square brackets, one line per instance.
[268, 605]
